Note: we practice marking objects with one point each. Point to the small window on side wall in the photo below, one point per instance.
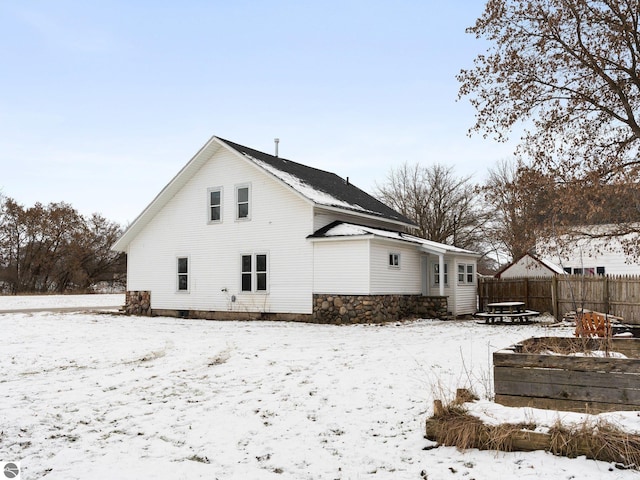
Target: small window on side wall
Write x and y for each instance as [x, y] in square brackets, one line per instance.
[183, 274]
[465, 273]
[394, 260]
[470, 276]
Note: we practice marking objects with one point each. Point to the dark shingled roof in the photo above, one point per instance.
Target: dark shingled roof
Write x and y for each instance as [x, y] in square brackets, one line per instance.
[326, 182]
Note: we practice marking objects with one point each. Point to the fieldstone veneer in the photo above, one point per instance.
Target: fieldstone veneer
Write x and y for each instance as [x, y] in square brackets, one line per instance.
[334, 309]
[137, 303]
[340, 309]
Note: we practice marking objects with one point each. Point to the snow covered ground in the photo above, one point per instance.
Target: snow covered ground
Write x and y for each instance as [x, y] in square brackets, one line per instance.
[99, 396]
[22, 302]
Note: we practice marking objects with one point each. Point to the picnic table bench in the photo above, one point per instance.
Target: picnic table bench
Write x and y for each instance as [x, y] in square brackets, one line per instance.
[501, 311]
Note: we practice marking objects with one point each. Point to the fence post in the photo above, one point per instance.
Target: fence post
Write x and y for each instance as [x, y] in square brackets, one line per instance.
[605, 293]
[554, 296]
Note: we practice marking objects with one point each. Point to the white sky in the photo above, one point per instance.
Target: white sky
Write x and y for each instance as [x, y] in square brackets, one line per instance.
[102, 104]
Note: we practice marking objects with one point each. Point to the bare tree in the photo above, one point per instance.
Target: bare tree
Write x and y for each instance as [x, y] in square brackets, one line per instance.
[512, 228]
[54, 248]
[566, 70]
[441, 204]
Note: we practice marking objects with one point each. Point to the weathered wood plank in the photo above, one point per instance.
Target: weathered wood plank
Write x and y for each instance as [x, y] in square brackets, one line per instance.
[562, 405]
[582, 364]
[567, 377]
[569, 392]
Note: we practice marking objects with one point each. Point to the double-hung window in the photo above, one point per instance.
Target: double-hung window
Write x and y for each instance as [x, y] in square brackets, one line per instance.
[465, 273]
[243, 202]
[436, 274]
[183, 274]
[254, 272]
[214, 196]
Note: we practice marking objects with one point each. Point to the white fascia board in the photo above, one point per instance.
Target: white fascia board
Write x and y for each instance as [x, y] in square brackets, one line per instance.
[358, 213]
[177, 182]
[342, 238]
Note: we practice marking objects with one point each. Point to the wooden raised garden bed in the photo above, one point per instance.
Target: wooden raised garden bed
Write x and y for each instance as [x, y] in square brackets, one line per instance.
[576, 374]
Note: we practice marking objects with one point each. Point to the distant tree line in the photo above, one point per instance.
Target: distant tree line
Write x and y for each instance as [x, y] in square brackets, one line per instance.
[53, 248]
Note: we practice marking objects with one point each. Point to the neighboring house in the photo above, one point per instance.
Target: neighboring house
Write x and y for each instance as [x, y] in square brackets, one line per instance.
[592, 255]
[243, 234]
[528, 265]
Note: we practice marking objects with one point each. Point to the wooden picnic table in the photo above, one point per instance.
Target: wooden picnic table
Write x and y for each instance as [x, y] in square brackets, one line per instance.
[513, 311]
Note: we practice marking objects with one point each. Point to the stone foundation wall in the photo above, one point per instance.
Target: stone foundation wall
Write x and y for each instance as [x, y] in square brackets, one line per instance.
[327, 308]
[341, 309]
[232, 315]
[137, 303]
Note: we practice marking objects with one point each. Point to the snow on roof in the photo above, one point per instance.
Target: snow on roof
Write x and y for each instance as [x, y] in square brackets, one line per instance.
[313, 194]
[342, 229]
[319, 186]
[552, 266]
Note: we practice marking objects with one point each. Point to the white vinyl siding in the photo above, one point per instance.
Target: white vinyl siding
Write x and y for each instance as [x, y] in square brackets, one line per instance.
[341, 266]
[526, 267]
[593, 253]
[403, 279]
[177, 229]
[465, 293]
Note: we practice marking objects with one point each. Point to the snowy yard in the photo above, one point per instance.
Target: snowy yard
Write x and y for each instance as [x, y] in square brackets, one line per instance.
[97, 396]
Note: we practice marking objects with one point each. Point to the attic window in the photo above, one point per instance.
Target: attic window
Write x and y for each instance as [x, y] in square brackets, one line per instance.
[215, 204]
[243, 202]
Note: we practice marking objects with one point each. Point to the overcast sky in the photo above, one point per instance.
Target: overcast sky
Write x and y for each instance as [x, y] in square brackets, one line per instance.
[102, 103]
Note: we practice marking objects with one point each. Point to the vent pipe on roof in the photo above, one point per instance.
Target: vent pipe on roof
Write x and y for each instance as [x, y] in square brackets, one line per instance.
[347, 180]
[276, 141]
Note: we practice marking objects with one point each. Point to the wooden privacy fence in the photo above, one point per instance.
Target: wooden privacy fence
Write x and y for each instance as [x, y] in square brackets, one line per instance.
[614, 295]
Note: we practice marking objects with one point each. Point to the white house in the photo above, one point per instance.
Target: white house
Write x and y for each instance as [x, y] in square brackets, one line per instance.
[239, 233]
[529, 265]
[593, 254]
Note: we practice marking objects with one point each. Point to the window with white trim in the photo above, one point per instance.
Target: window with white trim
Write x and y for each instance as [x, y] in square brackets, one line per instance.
[436, 274]
[394, 260]
[182, 267]
[243, 202]
[465, 273]
[254, 272]
[214, 201]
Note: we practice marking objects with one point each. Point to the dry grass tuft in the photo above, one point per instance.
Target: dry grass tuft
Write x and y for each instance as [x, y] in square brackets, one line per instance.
[452, 425]
[600, 441]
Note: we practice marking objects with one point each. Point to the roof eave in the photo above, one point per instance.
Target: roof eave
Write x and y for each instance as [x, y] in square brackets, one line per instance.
[364, 214]
[177, 182]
